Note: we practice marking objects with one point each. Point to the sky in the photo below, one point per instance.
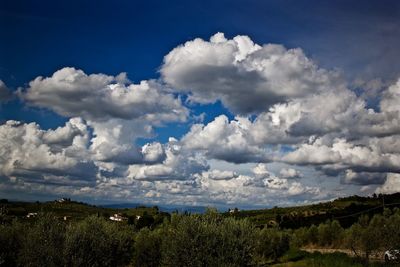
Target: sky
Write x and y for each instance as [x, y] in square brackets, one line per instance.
[234, 103]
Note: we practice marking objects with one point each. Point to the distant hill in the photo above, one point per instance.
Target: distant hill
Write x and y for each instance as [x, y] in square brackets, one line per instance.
[346, 210]
[164, 208]
[71, 209]
[183, 209]
[121, 205]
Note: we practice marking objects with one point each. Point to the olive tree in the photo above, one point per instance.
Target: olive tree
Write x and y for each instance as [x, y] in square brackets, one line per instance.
[97, 242]
[43, 243]
[208, 240]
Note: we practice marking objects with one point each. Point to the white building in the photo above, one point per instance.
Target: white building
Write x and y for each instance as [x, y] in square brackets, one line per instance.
[31, 214]
[118, 218]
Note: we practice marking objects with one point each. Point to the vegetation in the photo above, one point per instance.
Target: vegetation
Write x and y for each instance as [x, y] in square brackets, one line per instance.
[185, 240]
[148, 237]
[77, 211]
[345, 210]
[97, 242]
[336, 259]
[208, 240]
[364, 238]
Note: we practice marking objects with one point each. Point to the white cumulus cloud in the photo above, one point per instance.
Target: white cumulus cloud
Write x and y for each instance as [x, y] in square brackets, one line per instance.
[97, 97]
[245, 76]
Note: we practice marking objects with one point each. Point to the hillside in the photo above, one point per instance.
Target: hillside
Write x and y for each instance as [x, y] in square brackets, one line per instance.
[345, 210]
[66, 209]
[69, 230]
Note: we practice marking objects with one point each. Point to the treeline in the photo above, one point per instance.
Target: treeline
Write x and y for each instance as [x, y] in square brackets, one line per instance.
[182, 240]
[305, 216]
[77, 211]
[369, 235]
[52, 242]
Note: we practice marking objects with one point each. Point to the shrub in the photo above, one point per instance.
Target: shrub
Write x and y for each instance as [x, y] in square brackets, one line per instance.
[364, 237]
[11, 238]
[312, 235]
[147, 248]
[43, 243]
[208, 240]
[97, 242]
[299, 237]
[329, 233]
[272, 243]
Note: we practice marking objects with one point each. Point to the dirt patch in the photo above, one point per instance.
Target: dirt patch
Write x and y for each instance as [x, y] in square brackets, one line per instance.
[378, 256]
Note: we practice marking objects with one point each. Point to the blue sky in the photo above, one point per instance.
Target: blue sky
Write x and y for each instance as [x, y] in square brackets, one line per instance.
[277, 103]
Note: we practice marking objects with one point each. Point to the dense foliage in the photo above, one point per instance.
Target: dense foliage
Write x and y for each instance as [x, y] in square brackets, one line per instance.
[364, 238]
[184, 240]
[96, 242]
[210, 239]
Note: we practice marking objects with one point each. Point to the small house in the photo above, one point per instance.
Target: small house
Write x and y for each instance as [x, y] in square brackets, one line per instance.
[118, 218]
[31, 214]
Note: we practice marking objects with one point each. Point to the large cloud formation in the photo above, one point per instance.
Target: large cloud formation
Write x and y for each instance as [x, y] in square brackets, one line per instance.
[245, 76]
[27, 151]
[71, 92]
[117, 110]
[295, 124]
[324, 123]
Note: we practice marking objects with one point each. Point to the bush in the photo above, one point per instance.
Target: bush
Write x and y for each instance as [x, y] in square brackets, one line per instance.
[272, 243]
[208, 240]
[238, 242]
[11, 238]
[365, 237]
[148, 248]
[97, 242]
[391, 231]
[312, 235]
[43, 243]
[299, 237]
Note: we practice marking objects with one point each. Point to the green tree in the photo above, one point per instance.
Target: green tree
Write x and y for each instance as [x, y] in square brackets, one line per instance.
[237, 242]
[330, 233]
[11, 238]
[391, 231]
[299, 237]
[145, 220]
[208, 240]
[147, 248]
[97, 242]
[364, 237]
[336, 233]
[43, 243]
[272, 243]
[312, 234]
